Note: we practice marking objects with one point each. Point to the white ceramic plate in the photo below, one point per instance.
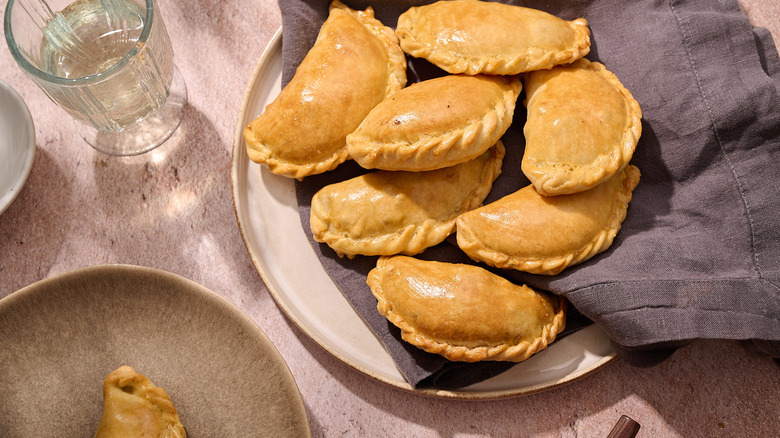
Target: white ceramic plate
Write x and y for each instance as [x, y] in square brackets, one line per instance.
[60, 338]
[17, 144]
[267, 214]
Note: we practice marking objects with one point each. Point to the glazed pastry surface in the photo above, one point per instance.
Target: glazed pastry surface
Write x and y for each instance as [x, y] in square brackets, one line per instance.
[464, 312]
[544, 234]
[133, 407]
[354, 64]
[583, 127]
[435, 123]
[384, 212]
[472, 36]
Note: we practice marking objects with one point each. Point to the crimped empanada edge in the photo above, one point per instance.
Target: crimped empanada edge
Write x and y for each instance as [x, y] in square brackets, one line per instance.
[560, 180]
[554, 265]
[449, 148]
[262, 154]
[412, 239]
[462, 353]
[502, 352]
[522, 62]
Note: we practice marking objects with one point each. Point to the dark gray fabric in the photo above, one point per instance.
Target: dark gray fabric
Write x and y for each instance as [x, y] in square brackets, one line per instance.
[698, 254]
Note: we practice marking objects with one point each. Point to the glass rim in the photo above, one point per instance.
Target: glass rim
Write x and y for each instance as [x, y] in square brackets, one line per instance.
[30, 68]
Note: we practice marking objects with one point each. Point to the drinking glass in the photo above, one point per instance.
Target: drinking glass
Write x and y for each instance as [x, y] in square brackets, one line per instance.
[107, 63]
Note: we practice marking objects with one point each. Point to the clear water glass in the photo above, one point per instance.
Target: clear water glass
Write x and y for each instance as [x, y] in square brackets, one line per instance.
[107, 63]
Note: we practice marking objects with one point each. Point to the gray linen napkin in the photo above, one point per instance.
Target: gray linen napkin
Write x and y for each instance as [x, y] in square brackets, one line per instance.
[698, 255]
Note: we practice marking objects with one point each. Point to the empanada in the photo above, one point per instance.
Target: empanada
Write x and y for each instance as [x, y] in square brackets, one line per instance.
[435, 123]
[464, 312]
[385, 212]
[133, 407]
[583, 126]
[353, 65]
[545, 234]
[471, 36]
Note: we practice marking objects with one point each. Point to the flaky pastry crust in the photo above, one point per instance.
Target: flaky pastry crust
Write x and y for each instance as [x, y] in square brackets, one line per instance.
[384, 212]
[463, 312]
[435, 123]
[583, 127]
[354, 64]
[472, 36]
[545, 234]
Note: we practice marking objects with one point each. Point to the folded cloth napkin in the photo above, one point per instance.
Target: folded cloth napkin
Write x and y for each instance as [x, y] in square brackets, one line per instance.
[698, 256]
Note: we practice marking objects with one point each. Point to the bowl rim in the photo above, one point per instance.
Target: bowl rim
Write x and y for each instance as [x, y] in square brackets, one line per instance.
[27, 135]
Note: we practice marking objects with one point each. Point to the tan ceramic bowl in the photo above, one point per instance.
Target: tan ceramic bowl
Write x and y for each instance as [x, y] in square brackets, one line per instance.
[60, 337]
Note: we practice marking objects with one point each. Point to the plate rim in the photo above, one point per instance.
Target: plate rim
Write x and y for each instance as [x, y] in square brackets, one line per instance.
[6, 199]
[191, 287]
[239, 149]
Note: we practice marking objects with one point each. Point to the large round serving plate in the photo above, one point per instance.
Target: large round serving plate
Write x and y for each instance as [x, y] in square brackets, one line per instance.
[267, 214]
[61, 337]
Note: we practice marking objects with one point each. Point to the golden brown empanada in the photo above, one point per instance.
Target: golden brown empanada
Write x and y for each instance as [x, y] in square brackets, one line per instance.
[463, 312]
[133, 407]
[384, 212]
[353, 65]
[471, 36]
[582, 127]
[435, 123]
[545, 234]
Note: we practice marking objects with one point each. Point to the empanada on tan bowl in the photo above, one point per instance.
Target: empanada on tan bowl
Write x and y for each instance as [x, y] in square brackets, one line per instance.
[385, 212]
[544, 234]
[354, 64]
[133, 407]
[464, 312]
[472, 36]
[435, 123]
[582, 128]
